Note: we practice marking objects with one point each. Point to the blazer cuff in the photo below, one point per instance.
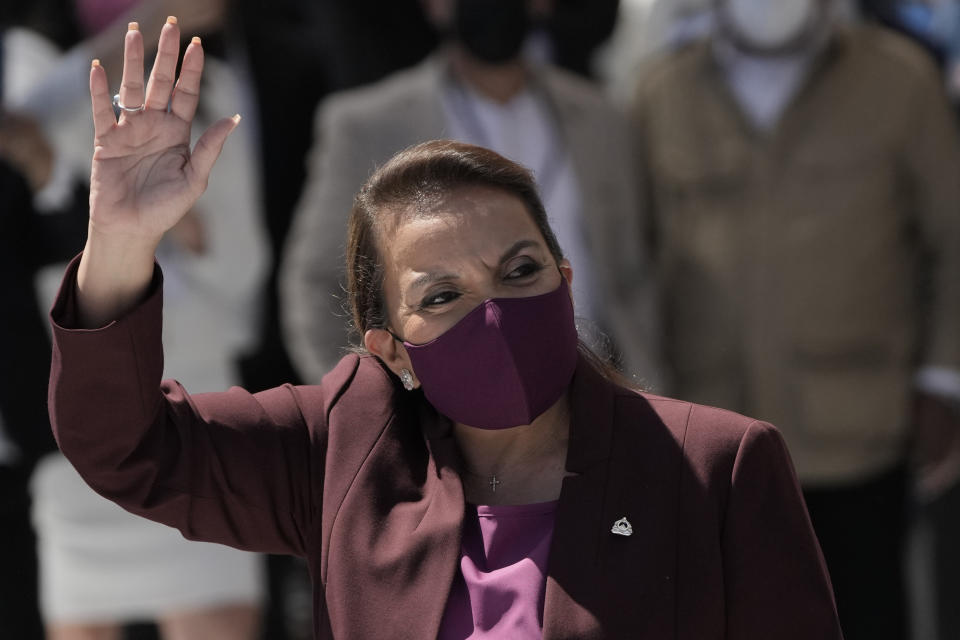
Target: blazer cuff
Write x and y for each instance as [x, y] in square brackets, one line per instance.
[64, 313]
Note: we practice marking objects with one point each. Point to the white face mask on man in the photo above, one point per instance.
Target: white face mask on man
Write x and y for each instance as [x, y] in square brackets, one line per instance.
[769, 25]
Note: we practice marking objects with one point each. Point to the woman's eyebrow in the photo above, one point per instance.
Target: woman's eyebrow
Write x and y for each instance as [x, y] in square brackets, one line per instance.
[517, 247]
[437, 276]
[430, 278]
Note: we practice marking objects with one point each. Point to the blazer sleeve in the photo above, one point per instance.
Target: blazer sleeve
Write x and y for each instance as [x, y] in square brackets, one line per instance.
[776, 581]
[234, 468]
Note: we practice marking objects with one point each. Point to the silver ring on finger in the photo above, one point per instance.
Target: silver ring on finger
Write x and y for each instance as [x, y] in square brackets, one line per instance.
[123, 107]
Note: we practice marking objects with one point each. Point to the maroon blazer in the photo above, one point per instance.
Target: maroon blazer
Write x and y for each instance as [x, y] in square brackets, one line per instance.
[360, 478]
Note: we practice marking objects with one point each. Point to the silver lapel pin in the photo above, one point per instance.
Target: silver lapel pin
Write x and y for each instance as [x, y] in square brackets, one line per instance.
[622, 527]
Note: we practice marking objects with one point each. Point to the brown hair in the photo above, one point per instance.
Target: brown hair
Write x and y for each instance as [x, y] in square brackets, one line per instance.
[416, 178]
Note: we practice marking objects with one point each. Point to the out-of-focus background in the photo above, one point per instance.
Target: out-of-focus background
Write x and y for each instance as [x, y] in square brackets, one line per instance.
[760, 199]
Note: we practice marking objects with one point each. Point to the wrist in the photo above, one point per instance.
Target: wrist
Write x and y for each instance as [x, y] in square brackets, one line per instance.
[123, 247]
[114, 273]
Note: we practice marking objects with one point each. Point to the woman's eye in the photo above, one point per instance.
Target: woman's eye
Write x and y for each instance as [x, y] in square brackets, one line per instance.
[524, 270]
[437, 299]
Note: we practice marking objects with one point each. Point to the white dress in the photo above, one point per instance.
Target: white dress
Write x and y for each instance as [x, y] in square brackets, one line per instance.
[99, 563]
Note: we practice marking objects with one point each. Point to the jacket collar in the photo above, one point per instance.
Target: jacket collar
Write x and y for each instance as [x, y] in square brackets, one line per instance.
[713, 78]
[626, 463]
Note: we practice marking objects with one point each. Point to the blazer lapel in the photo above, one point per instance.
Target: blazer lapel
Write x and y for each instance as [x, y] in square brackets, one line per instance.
[573, 567]
[395, 542]
[627, 465]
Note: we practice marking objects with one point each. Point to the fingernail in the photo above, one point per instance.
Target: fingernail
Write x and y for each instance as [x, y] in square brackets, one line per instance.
[195, 40]
[236, 118]
[95, 63]
[171, 19]
[133, 26]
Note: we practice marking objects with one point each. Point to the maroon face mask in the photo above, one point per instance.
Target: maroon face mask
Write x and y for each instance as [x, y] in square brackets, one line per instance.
[504, 363]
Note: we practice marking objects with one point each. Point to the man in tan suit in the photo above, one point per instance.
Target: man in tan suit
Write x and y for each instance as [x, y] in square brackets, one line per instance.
[804, 178]
[478, 88]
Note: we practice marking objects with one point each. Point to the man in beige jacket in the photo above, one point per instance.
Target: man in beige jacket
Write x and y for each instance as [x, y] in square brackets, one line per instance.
[804, 178]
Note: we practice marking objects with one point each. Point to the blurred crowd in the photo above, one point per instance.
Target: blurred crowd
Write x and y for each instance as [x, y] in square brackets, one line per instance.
[760, 200]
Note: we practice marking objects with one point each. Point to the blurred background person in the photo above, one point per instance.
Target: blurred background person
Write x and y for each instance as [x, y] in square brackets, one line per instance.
[934, 554]
[22, 405]
[27, 242]
[802, 176]
[480, 87]
[100, 566]
[647, 29]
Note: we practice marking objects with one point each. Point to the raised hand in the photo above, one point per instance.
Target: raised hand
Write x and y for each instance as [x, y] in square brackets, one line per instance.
[144, 176]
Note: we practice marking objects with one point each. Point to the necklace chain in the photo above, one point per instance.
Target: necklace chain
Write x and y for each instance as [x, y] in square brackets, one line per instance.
[493, 480]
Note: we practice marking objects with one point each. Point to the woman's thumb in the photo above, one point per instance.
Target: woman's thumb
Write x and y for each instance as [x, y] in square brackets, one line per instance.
[208, 148]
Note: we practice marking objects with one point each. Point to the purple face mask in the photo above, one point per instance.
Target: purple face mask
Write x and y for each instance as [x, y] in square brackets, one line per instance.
[504, 363]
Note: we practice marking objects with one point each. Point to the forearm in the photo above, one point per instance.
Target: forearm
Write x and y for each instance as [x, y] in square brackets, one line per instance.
[114, 274]
[231, 467]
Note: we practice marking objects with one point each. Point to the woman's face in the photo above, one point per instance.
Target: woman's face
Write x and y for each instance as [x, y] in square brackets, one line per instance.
[477, 243]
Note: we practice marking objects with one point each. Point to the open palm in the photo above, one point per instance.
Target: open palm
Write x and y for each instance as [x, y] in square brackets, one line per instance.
[144, 176]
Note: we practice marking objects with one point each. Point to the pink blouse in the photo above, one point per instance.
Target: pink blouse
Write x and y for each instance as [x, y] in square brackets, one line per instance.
[503, 573]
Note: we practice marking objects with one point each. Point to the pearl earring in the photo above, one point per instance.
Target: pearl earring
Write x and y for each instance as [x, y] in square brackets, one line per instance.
[407, 379]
